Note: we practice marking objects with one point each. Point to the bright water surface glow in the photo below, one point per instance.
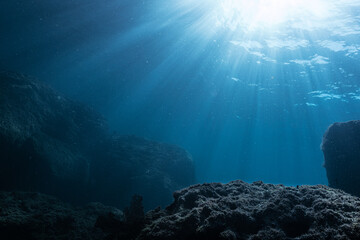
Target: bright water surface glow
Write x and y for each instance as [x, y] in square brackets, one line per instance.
[261, 14]
[247, 87]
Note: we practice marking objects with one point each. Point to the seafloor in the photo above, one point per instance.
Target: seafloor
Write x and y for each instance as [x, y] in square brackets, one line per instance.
[236, 210]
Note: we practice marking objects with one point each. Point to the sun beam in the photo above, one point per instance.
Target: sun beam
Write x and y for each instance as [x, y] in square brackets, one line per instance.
[264, 14]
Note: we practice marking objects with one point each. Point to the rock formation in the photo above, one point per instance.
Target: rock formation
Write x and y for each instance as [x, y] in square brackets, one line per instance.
[341, 147]
[45, 139]
[239, 210]
[134, 165]
[56, 146]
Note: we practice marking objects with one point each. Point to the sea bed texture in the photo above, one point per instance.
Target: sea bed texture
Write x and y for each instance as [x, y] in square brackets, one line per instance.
[239, 210]
[236, 210]
[341, 148]
[34, 216]
[53, 145]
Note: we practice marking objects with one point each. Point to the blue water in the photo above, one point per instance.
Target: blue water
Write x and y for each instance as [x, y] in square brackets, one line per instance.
[247, 87]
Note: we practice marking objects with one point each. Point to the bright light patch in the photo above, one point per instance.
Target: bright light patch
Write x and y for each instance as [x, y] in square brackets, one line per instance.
[254, 14]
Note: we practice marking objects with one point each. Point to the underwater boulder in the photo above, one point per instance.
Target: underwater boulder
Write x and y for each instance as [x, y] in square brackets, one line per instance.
[341, 148]
[239, 210]
[45, 139]
[134, 165]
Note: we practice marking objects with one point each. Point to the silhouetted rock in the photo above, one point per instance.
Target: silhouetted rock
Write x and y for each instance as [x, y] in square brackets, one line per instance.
[239, 210]
[134, 214]
[341, 147]
[53, 145]
[127, 226]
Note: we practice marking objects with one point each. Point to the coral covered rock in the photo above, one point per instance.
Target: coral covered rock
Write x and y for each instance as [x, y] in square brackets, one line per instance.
[341, 147]
[239, 210]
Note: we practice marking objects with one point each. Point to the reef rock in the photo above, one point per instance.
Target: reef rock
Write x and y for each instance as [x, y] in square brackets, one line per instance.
[53, 145]
[341, 148]
[239, 210]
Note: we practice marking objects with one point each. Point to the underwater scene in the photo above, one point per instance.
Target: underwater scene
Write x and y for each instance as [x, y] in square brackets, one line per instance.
[169, 119]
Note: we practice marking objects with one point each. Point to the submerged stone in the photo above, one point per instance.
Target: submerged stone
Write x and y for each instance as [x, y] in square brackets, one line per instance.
[341, 148]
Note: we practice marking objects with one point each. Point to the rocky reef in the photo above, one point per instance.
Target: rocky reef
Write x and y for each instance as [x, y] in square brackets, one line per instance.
[236, 210]
[53, 145]
[341, 148]
[239, 210]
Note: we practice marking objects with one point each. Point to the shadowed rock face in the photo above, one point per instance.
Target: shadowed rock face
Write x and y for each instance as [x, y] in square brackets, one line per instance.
[239, 210]
[45, 139]
[341, 148]
[56, 146]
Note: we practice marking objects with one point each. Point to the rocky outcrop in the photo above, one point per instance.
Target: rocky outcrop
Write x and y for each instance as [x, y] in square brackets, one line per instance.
[45, 139]
[53, 145]
[239, 210]
[341, 148]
